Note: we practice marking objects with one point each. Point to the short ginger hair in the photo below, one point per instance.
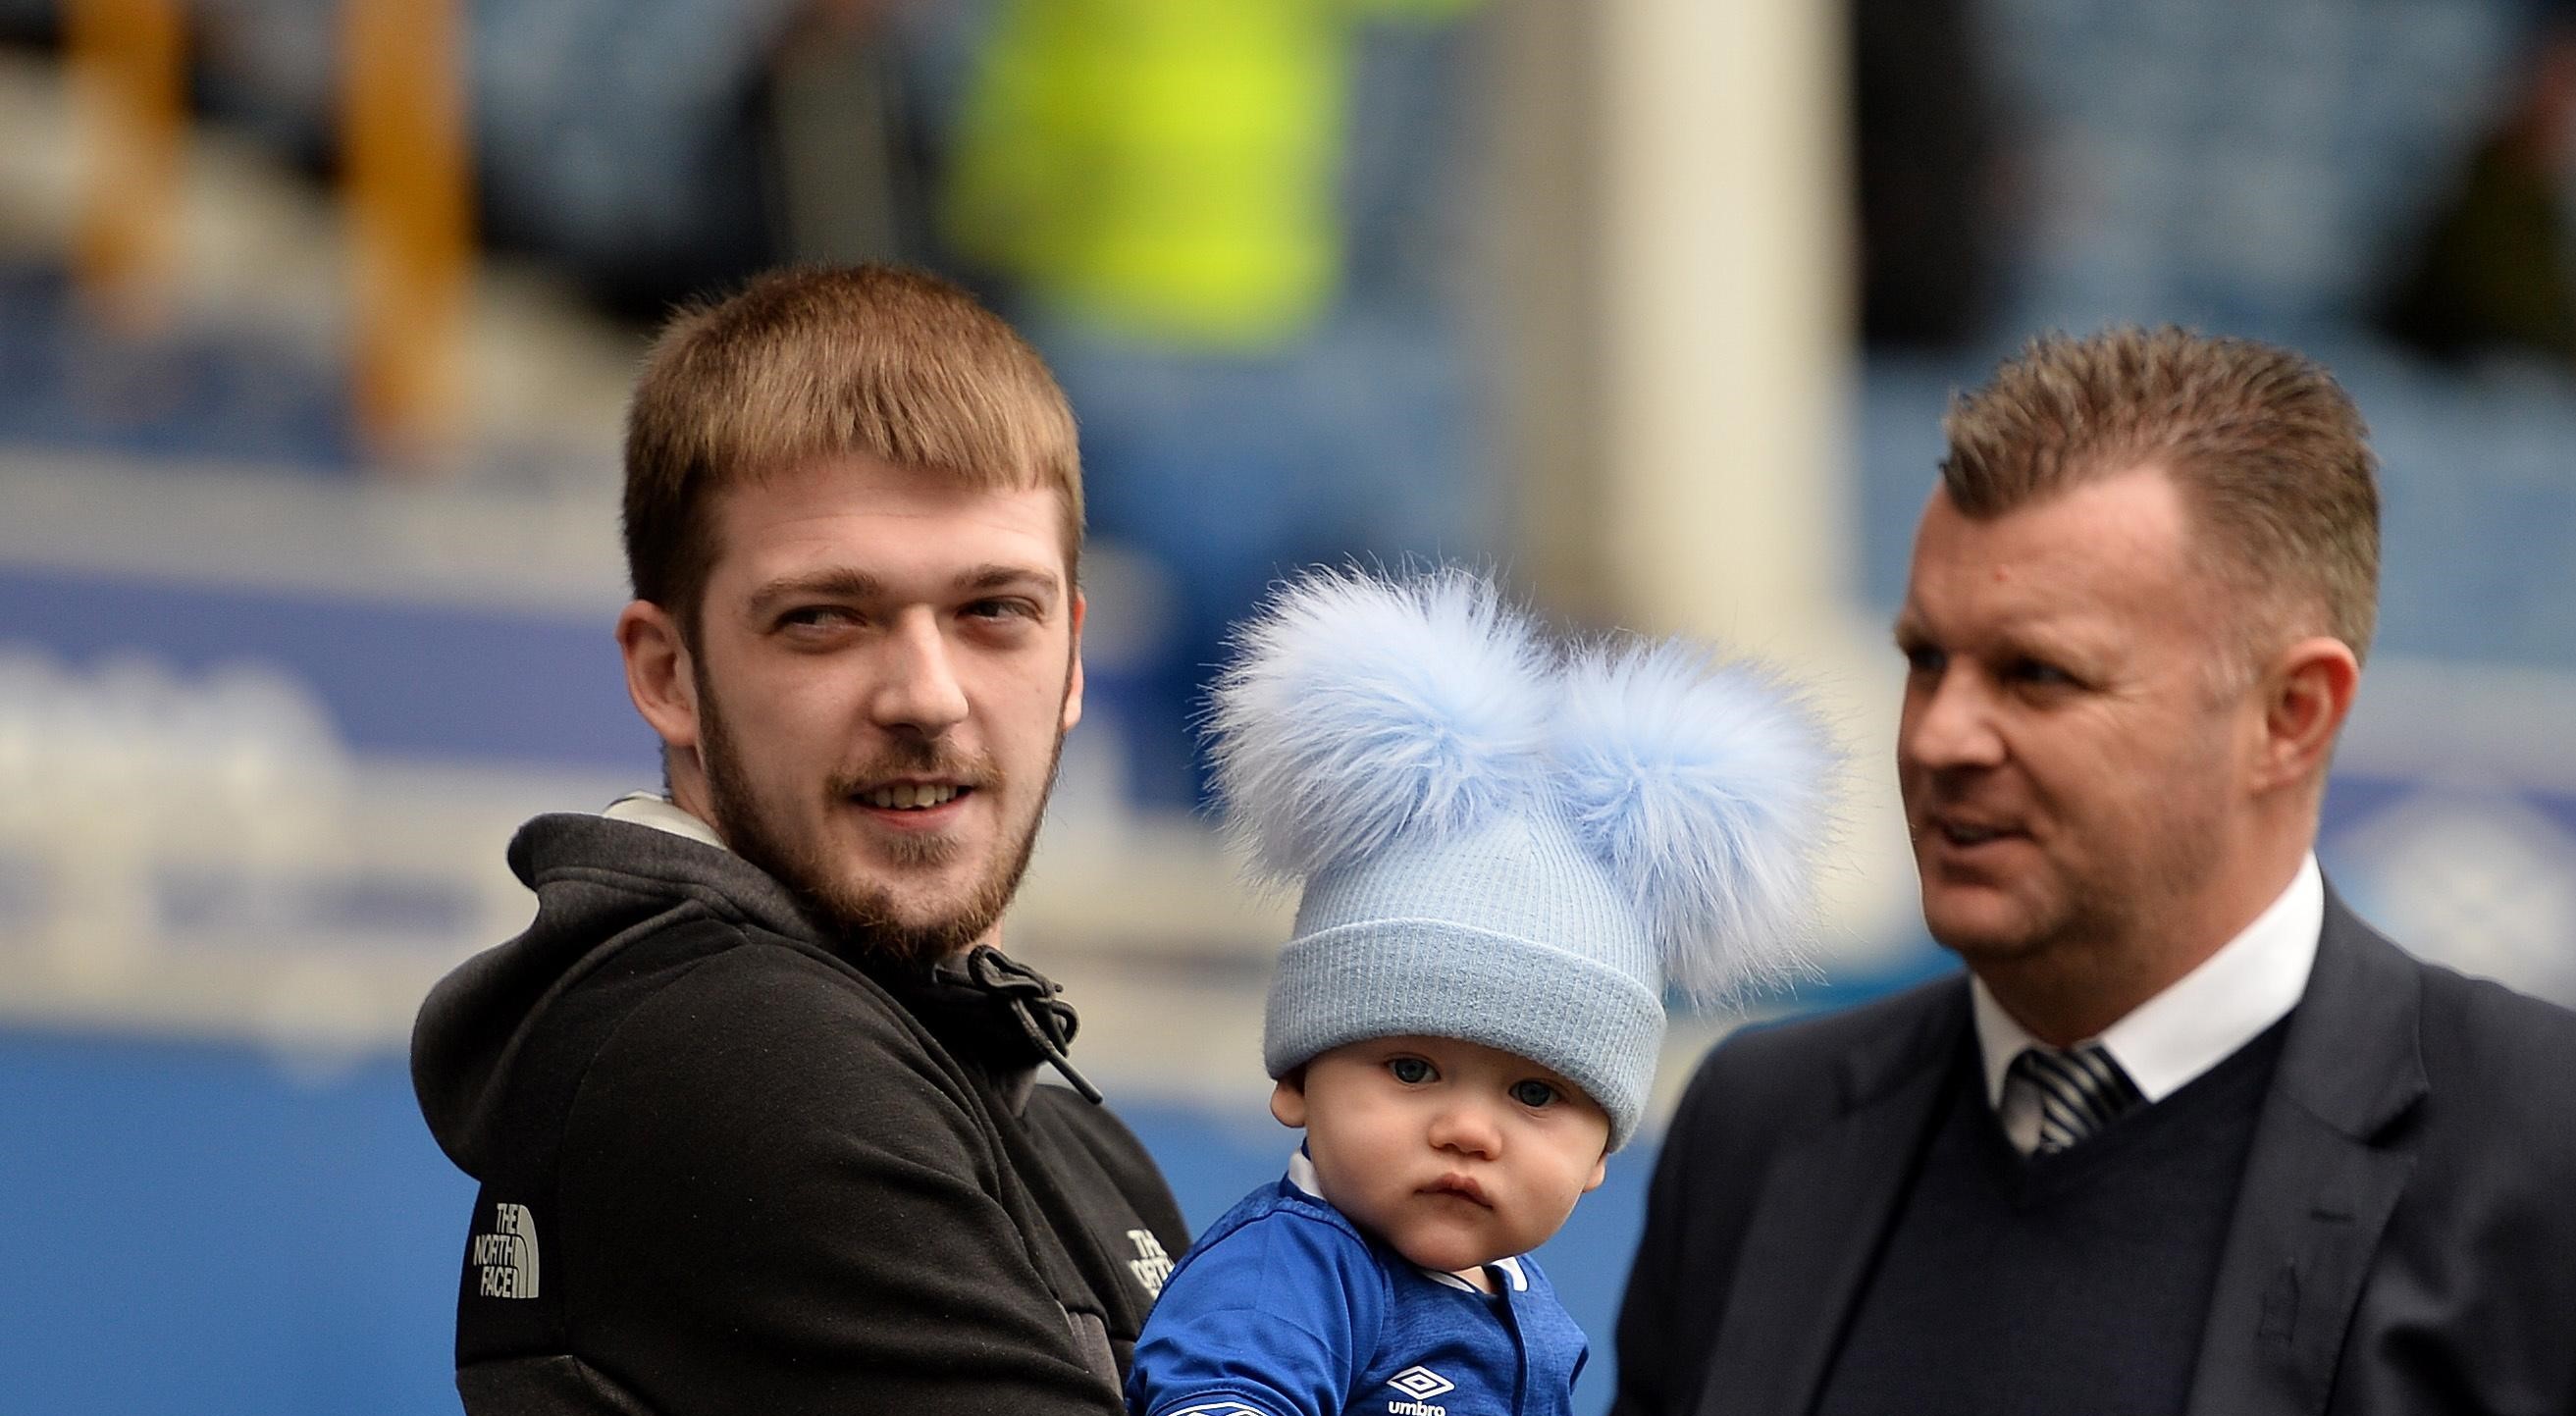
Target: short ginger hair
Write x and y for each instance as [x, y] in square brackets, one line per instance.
[814, 363]
[2270, 453]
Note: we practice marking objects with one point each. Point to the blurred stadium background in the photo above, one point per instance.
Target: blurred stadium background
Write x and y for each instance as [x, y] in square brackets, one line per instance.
[316, 318]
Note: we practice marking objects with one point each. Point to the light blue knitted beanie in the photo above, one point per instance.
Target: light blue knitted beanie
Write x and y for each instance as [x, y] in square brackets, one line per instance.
[1506, 843]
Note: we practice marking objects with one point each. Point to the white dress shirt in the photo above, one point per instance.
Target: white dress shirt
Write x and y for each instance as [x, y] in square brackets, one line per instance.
[2197, 1022]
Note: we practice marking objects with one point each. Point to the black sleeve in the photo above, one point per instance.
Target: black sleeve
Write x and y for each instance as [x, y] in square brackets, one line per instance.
[782, 1204]
[1650, 1369]
[1100, 1135]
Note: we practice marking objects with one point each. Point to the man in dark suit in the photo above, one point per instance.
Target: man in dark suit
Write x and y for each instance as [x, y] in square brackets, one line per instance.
[2188, 1136]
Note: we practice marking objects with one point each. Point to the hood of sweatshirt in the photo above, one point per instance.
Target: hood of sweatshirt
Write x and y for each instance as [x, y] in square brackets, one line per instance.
[601, 884]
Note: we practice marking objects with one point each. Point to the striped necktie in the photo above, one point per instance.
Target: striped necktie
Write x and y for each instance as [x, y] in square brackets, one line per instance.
[2079, 1092]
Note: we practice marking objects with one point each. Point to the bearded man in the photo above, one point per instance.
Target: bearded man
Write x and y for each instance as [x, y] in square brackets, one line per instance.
[754, 1102]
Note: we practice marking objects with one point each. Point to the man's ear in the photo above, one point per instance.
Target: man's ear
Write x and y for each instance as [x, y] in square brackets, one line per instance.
[1600, 1172]
[1073, 676]
[1288, 1100]
[2307, 693]
[658, 674]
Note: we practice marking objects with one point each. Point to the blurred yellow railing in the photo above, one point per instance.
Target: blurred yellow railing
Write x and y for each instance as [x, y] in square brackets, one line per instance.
[128, 81]
[405, 193]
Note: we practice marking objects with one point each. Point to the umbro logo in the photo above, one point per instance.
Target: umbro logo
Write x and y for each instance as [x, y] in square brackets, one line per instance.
[508, 1255]
[1419, 1383]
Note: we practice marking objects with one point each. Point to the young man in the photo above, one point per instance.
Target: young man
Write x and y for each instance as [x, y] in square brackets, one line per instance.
[2189, 1137]
[754, 1101]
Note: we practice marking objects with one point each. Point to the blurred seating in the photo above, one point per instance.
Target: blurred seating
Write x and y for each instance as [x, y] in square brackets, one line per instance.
[2252, 167]
[190, 393]
[2478, 481]
[2249, 164]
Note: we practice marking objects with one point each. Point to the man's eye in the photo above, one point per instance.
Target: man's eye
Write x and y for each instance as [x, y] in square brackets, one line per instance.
[2041, 673]
[814, 617]
[1923, 658]
[1001, 610]
[1412, 1071]
[1533, 1093]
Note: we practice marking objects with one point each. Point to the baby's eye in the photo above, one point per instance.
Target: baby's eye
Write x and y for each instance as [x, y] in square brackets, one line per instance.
[1533, 1093]
[1412, 1071]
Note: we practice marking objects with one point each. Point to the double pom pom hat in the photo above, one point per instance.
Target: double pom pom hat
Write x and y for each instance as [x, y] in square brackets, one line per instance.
[1509, 841]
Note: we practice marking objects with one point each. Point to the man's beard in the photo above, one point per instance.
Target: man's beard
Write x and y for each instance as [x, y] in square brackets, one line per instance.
[863, 913]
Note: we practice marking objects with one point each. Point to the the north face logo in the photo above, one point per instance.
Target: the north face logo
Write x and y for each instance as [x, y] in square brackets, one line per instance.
[508, 1255]
[1418, 1383]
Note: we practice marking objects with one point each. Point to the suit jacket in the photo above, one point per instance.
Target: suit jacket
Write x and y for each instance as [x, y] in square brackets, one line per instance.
[2404, 1238]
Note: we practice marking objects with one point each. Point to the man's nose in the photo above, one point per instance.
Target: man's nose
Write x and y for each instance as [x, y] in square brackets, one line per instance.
[918, 689]
[1949, 722]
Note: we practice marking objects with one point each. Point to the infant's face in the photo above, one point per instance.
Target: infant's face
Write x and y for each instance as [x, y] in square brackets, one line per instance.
[1452, 1152]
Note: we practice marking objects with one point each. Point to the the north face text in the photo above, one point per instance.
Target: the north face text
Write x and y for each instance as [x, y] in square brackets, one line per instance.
[508, 1255]
[1152, 1263]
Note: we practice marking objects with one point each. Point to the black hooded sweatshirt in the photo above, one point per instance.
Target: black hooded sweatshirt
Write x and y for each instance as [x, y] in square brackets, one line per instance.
[730, 1166]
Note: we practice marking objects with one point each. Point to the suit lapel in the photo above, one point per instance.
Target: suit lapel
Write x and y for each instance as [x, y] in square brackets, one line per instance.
[1824, 1205]
[2317, 1190]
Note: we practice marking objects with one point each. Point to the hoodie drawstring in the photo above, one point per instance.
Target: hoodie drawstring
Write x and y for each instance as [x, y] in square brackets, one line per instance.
[1030, 997]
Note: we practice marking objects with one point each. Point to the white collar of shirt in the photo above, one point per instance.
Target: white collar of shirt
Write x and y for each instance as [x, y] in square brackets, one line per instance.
[2200, 1019]
[1301, 1173]
[657, 811]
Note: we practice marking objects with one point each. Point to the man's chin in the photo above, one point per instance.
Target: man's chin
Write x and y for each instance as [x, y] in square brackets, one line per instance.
[916, 925]
[1983, 928]
[955, 922]
[913, 913]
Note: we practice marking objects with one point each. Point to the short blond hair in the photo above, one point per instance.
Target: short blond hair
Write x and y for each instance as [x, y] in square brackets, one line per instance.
[804, 364]
[2270, 453]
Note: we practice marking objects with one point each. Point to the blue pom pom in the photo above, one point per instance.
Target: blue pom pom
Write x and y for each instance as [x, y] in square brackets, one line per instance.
[1358, 709]
[1707, 789]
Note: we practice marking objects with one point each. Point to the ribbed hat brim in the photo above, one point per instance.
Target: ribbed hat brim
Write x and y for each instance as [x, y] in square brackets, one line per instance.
[1594, 1025]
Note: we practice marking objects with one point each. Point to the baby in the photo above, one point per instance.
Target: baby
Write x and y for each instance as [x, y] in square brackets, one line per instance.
[1508, 855]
